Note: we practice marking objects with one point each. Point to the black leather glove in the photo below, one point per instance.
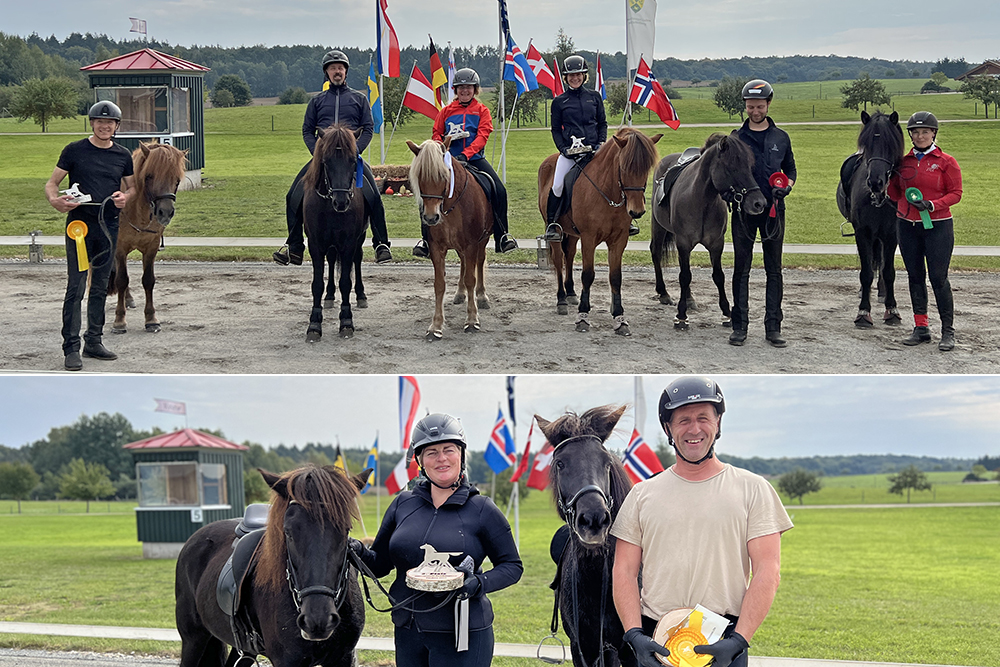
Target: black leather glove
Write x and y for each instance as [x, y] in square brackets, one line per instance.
[781, 193]
[356, 547]
[923, 205]
[472, 586]
[645, 648]
[724, 650]
[461, 158]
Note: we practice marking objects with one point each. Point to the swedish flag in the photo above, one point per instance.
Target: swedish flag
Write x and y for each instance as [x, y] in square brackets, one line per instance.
[374, 99]
[372, 463]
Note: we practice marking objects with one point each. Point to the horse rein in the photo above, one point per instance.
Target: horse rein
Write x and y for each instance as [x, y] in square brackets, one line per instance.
[152, 211]
[454, 201]
[621, 186]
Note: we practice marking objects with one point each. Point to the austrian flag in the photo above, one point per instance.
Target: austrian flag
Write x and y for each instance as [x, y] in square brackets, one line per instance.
[648, 92]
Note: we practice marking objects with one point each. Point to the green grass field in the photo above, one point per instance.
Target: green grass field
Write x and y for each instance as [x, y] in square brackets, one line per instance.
[897, 585]
[253, 153]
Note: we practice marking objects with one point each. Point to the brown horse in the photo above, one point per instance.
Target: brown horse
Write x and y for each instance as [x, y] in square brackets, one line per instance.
[610, 190]
[459, 219]
[159, 169]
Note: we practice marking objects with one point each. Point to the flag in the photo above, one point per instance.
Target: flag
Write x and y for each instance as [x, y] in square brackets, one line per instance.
[451, 72]
[138, 25]
[419, 94]
[510, 399]
[640, 460]
[504, 21]
[640, 30]
[374, 99]
[640, 405]
[543, 75]
[401, 476]
[409, 401]
[438, 76]
[170, 407]
[539, 477]
[386, 44]
[338, 460]
[648, 92]
[522, 465]
[516, 68]
[599, 85]
[501, 452]
[372, 462]
[558, 90]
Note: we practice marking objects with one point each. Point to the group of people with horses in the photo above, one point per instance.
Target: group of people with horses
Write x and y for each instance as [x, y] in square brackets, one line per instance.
[662, 527]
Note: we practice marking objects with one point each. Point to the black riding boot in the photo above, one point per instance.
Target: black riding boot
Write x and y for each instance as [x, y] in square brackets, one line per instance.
[553, 232]
[422, 249]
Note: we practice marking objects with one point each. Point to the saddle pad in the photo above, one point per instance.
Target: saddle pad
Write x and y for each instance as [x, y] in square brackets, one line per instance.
[661, 192]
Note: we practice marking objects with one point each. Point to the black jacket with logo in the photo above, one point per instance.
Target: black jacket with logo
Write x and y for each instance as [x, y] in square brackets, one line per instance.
[772, 151]
[578, 112]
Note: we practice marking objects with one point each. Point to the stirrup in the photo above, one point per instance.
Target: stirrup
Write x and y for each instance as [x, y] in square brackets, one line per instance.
[281, 255]
[421, 249]
[507, 243]
[633, 229]
[553, 232]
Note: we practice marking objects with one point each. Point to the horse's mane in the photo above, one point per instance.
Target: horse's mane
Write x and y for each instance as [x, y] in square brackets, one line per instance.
[873, 136]
[329, 497]
[428, 166]
[331, 139]
[598, 422]
[637, 156]
[165, 164]
[737, 153]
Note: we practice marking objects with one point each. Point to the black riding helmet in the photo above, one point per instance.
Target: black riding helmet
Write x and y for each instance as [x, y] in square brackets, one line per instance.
[758, 89]
[335, 56]
[105, 109]
[575, 64]
[922, 119]
[466, 77]
[433, 429]
[686, 391]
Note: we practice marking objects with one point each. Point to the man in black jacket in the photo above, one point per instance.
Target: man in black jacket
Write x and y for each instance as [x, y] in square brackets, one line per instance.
[338, 104]
[772, 151]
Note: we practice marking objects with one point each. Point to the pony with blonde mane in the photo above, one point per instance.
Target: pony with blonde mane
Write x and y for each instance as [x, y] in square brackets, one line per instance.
[459, 218]
[302, 597]
[159, 169]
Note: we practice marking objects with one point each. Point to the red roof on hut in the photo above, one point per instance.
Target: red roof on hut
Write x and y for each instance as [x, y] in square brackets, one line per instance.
[187, 437]
[145, 60]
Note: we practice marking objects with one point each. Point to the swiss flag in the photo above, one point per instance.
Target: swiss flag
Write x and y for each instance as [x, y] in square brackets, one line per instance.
[539, 477]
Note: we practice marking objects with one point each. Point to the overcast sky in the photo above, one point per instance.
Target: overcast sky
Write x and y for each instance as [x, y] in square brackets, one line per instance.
[767, 416]
[915, 30]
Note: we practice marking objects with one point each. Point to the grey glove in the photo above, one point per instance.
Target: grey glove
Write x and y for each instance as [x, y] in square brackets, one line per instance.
[724, 650]
[461, 158]
[923, 205]
[472, 585]
[356, 547]
[645, 648]
[781, 193]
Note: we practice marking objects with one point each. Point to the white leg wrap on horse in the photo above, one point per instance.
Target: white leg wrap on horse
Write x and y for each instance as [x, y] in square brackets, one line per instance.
[620, 321]
[582, 317]
[563, 165]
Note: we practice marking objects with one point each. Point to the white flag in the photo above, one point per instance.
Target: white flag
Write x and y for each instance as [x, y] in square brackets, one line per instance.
[170, 407]
[640, 30]
[640, 406]
[138, 25]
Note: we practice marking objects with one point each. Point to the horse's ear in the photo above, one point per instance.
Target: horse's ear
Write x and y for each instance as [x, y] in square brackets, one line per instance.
[361, 479]
[447, 143]
[865, 117]
[144, 148]
[655, 138]
[894, 117]
[605, 426]
[357, 133]
[619, 141]
[543, 425]
[413, 147]
[279, 485]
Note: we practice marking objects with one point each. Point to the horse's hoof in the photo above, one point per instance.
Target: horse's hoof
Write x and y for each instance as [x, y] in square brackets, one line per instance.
[313, 335]
[623, 330]
[483, 304]
[459, 298]
[562, 309]
[666, 300]
[863, 320]
[572, 300]
[473, 328]
[119, 330]
[433, 336]
[130, 302]
[152, 327]
[328, 304]
[681, 325]
[583, 326]
[347, 332]
[892, 318]
[362, 303]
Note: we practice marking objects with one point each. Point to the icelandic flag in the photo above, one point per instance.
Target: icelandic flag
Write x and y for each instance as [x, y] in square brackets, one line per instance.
[640, 460]
[372, 463]
[510, 400]
[648, 92]
[374, 99]
[409, 401]
[517, 69]
[501, 452]
[599, 85]
[386, 43]
[543, 75]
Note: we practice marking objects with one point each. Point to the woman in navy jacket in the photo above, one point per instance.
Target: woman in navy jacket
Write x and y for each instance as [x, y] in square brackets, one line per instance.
[444, 511]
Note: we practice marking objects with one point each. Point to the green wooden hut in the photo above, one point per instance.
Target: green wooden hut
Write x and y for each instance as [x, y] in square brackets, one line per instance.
[161, 98]
[187, 479]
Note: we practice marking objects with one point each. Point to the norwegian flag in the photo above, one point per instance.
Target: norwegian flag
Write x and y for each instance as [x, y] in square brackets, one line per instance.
[386, 43]
[648, 92]
[539, 477]
[640, 460]
[543, 75]
[599, 85]
[558, 90]
[517, 69]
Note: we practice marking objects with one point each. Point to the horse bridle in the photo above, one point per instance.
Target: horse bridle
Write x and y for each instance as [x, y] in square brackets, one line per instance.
[298, 594]
[152, 212]
[568, 507]
[330, 190]
[624, 188]
[878, 198]
[454, 202]
[735, 197]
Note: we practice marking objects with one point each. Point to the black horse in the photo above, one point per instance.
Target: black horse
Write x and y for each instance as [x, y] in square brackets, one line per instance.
[696, 212]
[868, 208]
[589, 485]
[304, 549]
[334, 219]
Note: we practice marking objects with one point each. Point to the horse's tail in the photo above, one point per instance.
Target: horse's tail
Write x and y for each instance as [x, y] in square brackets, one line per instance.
[112, 288]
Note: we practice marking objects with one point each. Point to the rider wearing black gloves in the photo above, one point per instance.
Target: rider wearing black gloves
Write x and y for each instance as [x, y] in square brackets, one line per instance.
[668, 523]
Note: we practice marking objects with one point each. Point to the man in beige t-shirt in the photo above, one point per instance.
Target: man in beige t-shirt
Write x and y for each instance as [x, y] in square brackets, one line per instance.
[698, 530]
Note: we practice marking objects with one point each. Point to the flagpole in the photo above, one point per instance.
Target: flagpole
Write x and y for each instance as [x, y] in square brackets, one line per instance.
[397, 113]
[381, 135]
[378, 495]
[503, 115]
[512, 109]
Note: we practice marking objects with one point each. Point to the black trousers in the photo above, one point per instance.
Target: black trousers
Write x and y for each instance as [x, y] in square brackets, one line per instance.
[437, 649]
[927, 253]
[100, 242]
[772, 237]
[373, 209]
[499, 201]
[742, 660]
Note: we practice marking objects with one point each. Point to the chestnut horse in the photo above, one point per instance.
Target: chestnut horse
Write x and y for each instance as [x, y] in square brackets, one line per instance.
[610, 191]
[459, 218]
[159, 169]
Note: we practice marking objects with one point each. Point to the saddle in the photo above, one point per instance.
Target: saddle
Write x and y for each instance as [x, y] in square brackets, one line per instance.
[560, 539]
[566, 202]
[663, 186]
[485, 181]
[847, 173]
[236, 574]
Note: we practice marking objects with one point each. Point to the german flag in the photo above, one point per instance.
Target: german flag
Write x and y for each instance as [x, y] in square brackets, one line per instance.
[438, 76]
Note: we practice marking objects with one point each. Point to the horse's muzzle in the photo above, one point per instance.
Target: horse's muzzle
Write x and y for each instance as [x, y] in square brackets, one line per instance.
[592, 526]
[317, 627]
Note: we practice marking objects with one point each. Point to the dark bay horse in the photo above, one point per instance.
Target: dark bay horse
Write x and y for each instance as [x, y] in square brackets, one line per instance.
[696, 212]
[334, 217]
[610, 190]
[159, 169]
[868, 208]
[589, 485]
[459, 219]
[318, 621]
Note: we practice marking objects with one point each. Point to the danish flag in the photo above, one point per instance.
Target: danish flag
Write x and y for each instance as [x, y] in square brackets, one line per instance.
[541, 71]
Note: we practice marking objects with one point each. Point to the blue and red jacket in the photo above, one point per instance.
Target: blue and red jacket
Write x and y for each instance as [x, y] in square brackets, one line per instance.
[937, 176]
[475, 119]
